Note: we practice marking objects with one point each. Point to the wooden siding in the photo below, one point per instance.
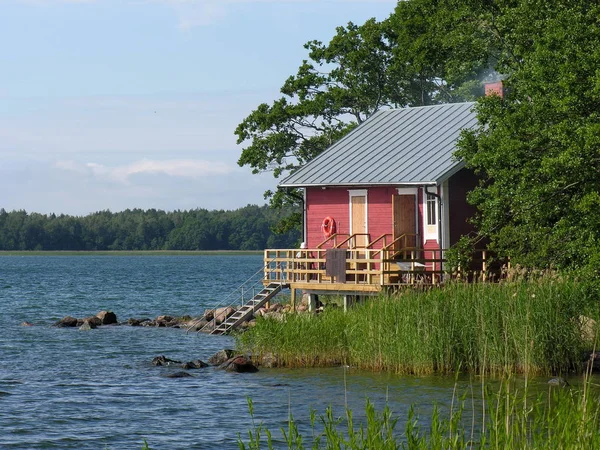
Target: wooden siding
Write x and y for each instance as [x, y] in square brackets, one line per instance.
[334, 202]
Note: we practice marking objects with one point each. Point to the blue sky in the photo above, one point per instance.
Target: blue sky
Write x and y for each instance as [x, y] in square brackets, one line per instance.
[115, 104]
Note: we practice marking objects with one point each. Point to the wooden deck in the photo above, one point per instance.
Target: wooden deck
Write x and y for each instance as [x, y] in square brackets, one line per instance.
[364, 270]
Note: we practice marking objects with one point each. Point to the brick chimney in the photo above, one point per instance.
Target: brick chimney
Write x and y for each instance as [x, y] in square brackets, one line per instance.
[494, 88]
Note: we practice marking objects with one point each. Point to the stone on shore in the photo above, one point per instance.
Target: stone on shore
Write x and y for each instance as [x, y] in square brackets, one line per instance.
[222, 314]
[269, 360]
[220, 357]
[196, 324]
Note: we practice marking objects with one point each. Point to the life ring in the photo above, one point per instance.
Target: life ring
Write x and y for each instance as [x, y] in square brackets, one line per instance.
[328, 227]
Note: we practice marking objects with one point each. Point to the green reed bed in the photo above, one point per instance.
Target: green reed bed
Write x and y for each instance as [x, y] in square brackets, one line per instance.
[529, 327]
[510, 419]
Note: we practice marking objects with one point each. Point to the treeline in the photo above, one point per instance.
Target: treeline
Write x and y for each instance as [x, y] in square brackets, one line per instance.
[247, 228]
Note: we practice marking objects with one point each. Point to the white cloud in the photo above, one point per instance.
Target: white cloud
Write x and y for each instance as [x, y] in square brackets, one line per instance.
[186, 168]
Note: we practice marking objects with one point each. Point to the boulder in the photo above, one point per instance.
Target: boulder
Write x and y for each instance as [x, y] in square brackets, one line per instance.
[197, 364]
[269, 360]
[220, 357]
[209, 315]
[222, 314]
[180, 374]
[165, 319]
[137, 322]
[276, 307]
[93, 321]
[87, 325]
[162, 360]
[67, 321]
[107, 317]
[196, 324]
[239, 364]
[558, 381]
[26, 324]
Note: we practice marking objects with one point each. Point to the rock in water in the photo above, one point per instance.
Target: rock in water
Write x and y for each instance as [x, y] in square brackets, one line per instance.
[162, 360]
[220, 357]
[66, 322]
[87, 325]
[558, 381]
[107, 317]
[94, 321]
[239, 364]
[26, 324]
[194, 365]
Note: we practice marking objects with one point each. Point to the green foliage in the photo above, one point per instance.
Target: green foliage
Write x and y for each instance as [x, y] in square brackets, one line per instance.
[405, 60]
[519, 326]
[247, 228]
[538, 149]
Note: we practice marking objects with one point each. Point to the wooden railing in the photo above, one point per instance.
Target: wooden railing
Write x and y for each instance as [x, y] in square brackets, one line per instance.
[368, 266]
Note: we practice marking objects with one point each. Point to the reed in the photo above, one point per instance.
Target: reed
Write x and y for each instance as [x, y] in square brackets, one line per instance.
[527, 326]
[511, 419]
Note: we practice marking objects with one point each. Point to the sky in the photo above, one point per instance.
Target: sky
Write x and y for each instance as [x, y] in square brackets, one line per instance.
[116, 104]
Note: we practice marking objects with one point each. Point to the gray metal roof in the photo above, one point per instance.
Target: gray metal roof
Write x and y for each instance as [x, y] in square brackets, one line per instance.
[408, 146]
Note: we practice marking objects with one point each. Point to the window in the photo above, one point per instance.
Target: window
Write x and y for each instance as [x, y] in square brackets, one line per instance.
[431, 210]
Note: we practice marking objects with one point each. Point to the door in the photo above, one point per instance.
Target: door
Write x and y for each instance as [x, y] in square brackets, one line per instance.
[404, 214]
[358, 206]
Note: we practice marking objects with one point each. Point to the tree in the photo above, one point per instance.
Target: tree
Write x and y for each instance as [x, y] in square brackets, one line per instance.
[538, 149]
[405, 60]
[342, 84]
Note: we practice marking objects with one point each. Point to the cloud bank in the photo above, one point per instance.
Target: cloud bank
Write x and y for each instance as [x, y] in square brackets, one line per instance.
[186, 168]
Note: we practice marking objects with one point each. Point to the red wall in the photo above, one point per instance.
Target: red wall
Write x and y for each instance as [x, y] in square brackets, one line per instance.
[335, 203]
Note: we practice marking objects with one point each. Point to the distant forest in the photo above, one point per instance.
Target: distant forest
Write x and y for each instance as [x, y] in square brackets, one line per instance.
[247, 228]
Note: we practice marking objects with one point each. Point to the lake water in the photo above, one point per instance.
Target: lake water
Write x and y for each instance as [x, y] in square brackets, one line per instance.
[69, 389]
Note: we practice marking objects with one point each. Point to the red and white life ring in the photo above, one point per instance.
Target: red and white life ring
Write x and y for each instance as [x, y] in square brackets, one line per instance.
[328, 227]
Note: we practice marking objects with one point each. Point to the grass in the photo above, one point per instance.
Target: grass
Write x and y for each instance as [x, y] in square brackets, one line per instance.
[530, 327]
[511, 419]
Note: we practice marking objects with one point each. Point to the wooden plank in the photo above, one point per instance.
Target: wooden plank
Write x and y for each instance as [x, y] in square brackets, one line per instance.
[359, 220]
[404, 217]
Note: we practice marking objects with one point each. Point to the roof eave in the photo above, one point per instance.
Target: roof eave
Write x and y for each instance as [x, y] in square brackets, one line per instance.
[392, 183]
[452, 171]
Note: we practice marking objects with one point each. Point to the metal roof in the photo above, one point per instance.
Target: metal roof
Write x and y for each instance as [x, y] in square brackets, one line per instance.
[408, 146]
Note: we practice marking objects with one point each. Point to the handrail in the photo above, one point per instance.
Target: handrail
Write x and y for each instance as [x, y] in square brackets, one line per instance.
[241, 287]
[404, 235]
[383, 236]
[351, 237]
[331, 238]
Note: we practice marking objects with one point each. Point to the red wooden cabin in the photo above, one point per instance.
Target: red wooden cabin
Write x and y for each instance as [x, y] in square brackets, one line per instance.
[391, 194]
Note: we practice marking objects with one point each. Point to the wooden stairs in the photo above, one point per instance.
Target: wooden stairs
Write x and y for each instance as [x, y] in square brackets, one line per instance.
[247, 309]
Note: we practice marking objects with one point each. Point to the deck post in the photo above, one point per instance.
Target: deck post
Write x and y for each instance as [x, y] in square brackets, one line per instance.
[312, 302]
[484, 265]
[293, 298]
